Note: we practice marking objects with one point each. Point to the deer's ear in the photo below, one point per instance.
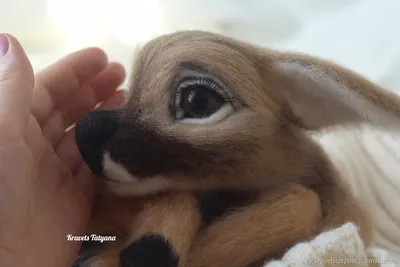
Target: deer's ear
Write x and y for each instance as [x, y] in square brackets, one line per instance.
[318, 97]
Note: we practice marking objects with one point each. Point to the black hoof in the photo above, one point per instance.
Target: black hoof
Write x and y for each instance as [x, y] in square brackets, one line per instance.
[149, 251]
[88, 250]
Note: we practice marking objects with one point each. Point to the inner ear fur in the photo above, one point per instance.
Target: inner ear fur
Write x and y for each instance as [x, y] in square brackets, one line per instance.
[316, 94]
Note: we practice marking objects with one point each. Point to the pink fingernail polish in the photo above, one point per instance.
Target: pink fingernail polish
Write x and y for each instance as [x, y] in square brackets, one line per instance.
[3, 45]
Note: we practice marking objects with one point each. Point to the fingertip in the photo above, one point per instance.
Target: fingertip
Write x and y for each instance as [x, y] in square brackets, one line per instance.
[115, 100]
[15, 60]
[118, 69]
[107, 82]
[121, 95]
[88, 63]
[96, 53]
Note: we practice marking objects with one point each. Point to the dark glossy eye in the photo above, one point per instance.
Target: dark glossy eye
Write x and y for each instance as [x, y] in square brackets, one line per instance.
[199, 101]
[198, 98]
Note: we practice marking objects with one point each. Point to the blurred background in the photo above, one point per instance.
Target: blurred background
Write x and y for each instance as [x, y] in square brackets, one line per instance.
[360, 34]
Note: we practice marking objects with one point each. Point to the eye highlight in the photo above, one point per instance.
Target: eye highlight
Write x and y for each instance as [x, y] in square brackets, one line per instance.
[199, 98]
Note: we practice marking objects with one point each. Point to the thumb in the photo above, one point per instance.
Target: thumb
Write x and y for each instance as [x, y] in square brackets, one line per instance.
[16, 83]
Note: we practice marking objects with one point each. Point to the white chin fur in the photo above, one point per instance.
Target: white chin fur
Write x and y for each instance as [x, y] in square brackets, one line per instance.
[145, 187]
[216, 117]
[116, 171]
[122, 183]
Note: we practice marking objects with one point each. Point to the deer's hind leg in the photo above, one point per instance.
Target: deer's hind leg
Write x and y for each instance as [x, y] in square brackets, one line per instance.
[263, 229]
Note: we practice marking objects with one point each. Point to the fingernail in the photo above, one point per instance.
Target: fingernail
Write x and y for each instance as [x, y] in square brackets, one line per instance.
[3, 45]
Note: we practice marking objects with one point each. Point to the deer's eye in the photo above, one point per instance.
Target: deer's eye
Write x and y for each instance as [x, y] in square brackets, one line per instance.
[199, 101]
[200, 98]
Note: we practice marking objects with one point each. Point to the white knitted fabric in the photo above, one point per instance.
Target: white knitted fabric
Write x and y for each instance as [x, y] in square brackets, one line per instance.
[338, 247]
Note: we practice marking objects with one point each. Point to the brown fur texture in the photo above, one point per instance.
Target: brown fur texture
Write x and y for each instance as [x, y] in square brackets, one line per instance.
[261, 146]
[147, 215]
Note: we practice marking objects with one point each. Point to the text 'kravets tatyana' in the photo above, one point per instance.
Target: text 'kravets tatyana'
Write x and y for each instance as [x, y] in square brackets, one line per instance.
[92, 237]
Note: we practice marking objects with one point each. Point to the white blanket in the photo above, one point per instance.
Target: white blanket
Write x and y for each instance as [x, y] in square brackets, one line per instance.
[339, 247]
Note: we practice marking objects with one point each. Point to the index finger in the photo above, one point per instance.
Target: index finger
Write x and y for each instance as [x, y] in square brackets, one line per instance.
[56, 82]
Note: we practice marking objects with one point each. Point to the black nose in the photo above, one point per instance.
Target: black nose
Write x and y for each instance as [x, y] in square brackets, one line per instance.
[91, 133]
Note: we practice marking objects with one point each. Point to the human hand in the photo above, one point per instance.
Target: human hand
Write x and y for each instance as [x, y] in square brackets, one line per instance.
[45, 188]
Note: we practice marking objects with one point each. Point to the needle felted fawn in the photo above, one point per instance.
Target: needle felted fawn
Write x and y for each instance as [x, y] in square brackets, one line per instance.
[208, 162]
